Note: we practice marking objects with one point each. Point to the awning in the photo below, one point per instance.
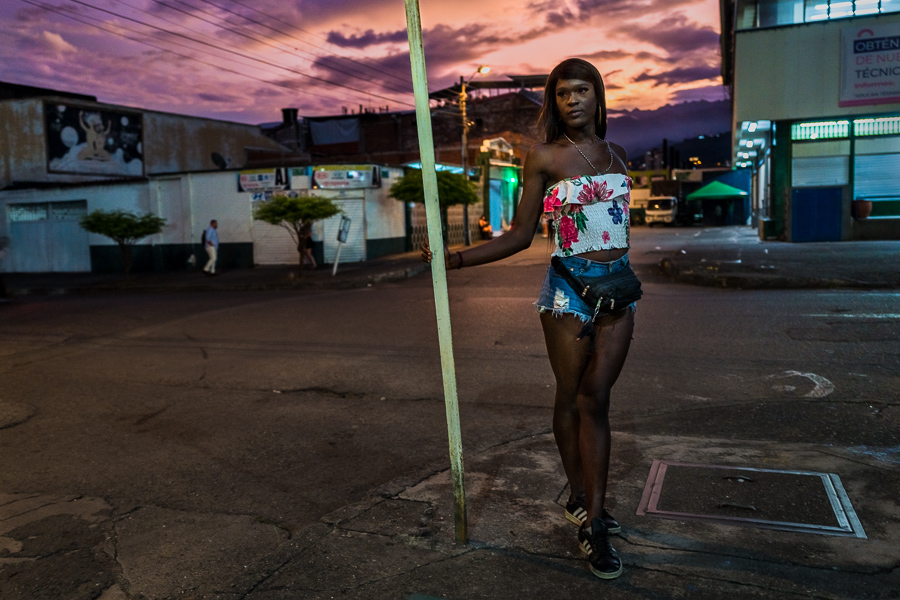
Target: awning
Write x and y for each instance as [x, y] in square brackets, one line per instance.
[716, 191]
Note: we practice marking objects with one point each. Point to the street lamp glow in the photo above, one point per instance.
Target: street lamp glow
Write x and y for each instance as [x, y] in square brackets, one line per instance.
[464, 146]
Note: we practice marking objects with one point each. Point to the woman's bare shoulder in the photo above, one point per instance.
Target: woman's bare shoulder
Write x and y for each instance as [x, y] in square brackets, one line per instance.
[542, 158]
[540, 152]
[620, 151]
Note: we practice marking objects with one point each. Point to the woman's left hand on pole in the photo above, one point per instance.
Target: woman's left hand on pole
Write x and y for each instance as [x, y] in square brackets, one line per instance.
[427, 255]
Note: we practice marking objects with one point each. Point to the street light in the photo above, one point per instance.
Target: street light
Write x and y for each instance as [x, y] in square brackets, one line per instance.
[465, 143]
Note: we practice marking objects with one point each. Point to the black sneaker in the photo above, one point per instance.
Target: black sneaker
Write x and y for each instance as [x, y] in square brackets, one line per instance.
[605, 562]
[577, 513]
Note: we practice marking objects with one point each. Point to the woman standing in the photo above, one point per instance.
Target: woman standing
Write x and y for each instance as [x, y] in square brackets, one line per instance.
[579, 182]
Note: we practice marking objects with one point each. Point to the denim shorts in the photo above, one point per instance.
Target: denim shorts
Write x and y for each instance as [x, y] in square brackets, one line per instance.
[558, 297]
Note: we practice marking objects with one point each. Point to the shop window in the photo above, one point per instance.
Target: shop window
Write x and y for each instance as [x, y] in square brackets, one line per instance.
[816, 10]
[882, 126]
[780, 12]
[822, 130]
[751, 14]
[25, 213]
[43, 211]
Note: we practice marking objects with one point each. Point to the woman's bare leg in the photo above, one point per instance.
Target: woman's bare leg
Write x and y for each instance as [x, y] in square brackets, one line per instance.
[612, 338]
[585, 372]
[568, 359]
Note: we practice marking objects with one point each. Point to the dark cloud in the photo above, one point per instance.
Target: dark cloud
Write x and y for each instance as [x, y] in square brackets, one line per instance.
[369, 38]
[679, 75]
[677, 36]
[599, 57]
[559, 18]
[217, 97]
[387, 74]
[627, 8]
[446, 47]
[710, 92]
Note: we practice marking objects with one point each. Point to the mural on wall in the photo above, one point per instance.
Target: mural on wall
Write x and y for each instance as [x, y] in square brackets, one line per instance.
[90, 141]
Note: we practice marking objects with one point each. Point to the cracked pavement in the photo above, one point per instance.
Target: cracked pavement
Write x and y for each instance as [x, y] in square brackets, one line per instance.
[288, 445]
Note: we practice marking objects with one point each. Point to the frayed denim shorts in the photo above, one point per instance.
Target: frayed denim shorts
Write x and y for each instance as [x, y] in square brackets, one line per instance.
[559, 298]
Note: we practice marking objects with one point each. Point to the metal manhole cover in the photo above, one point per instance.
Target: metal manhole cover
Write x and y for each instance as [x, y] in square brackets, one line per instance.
[805, 501]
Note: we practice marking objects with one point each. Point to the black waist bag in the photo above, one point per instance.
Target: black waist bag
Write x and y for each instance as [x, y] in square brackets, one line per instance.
[607, 293]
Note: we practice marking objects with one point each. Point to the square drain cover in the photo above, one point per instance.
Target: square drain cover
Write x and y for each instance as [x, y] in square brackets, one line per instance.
[804, 501]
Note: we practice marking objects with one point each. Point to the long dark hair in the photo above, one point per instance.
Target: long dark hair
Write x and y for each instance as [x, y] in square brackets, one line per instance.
[571, 68]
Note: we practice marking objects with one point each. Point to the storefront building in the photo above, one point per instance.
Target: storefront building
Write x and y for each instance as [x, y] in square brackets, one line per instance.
[816, 114]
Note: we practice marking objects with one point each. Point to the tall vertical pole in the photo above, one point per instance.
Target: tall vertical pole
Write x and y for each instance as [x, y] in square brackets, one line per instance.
[467, 240]
[438, 267]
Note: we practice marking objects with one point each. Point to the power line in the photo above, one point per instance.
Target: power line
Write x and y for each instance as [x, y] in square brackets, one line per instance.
[406, 81]
[235, 52]
[57, 10]
[219, 25]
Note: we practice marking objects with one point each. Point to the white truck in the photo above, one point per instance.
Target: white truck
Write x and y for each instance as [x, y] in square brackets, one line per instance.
[661, 209]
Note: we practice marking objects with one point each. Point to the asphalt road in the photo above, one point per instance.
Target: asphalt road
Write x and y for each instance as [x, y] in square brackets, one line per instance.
[213, 411]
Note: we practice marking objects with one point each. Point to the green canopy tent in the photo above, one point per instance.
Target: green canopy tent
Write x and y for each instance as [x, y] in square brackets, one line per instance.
[722, 204]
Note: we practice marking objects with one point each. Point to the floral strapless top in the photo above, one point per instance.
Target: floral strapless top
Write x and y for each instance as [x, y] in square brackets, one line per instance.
[589, 213]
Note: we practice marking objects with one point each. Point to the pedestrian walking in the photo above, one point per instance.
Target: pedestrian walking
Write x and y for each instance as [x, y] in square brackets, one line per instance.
[578, 181]
[308, 256]
[211, 244]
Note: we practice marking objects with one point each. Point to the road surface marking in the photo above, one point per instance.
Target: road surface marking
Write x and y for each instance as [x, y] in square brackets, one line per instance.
[822, 389]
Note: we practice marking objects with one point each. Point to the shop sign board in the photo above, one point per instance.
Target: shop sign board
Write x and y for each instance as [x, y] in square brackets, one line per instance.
[346, 176]
[870, 65]
[258, 180]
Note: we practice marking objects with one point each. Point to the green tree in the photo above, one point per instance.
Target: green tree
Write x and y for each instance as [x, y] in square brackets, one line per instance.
[124, 228]
[296, 214]
[453, 189]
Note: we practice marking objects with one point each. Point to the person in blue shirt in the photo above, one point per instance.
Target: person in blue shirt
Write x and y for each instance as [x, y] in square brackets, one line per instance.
[212, 247]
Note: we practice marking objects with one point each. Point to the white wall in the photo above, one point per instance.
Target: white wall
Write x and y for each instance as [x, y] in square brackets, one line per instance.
[216, 196]
[187, 202]
[384, 214]
[795, 72]
[131, 197]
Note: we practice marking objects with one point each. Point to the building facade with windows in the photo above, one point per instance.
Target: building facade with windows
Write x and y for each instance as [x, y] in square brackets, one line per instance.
[816, 114]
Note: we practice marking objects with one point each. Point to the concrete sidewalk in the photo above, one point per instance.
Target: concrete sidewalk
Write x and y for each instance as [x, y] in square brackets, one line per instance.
[260, 278]
[731, 257]
[734, 257]
[398, 543]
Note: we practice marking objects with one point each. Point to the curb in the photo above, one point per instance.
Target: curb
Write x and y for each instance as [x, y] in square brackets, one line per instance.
[337, 284]
[710, 276]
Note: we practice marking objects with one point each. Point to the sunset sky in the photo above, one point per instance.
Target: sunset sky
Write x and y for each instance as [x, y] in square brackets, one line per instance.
[244, 60]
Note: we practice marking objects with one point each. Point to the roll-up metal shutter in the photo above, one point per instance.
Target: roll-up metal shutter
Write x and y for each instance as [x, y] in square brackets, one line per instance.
[354, 249]
[46, 237]
[273, 245]
[820, 171]
[876, 175]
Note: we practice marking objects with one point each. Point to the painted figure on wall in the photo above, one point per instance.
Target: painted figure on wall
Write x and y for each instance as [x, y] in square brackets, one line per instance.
[93, 141]
[96, 135]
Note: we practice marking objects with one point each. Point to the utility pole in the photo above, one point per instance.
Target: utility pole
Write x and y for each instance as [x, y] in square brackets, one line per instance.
[438, 267]
[465, 151]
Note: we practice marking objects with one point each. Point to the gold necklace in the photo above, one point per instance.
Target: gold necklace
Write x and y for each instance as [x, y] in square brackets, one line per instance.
[608, 148]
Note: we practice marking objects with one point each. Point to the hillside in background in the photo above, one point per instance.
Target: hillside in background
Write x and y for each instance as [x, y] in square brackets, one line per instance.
[641, 130]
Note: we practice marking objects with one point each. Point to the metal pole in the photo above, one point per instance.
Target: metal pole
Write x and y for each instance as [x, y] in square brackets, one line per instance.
[337, 259]
[467, 239]
[438, 267]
